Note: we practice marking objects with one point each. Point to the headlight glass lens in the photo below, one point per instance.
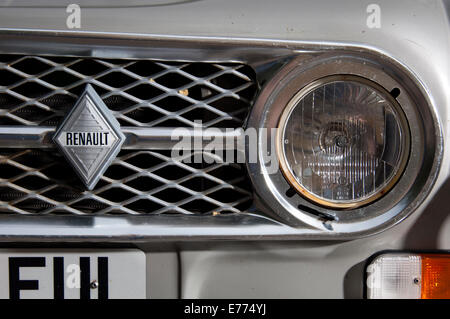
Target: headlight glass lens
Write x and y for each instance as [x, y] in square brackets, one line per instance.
[343, 141]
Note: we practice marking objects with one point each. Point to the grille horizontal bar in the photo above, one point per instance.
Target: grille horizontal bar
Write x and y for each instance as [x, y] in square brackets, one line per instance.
[136, 138]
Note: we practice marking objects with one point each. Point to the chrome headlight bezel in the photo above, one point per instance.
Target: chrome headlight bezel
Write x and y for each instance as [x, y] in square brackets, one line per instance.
[274, 191]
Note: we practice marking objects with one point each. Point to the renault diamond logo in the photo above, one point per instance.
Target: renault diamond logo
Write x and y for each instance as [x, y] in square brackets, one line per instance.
[89, 137]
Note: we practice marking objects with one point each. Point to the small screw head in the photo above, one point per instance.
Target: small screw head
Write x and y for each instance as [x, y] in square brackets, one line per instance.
[416, 280]
[94, 284]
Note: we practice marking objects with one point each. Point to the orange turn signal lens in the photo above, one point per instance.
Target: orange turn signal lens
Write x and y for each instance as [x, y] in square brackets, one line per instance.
[402, 275]
[435, 276]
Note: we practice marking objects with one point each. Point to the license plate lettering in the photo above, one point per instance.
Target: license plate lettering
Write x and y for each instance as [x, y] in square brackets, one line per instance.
[70, 274]
[78, 276]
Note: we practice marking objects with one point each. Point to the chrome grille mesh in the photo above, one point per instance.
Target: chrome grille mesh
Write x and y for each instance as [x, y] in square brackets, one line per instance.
[137, 182]
[37, 90]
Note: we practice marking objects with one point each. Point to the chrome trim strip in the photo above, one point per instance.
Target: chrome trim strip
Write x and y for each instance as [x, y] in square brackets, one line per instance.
[137, 46]
[151, 138]
[26, 136]
[155, 138]
[142, 229]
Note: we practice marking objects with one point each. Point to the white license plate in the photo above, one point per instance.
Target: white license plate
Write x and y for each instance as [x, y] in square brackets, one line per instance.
[72, 274]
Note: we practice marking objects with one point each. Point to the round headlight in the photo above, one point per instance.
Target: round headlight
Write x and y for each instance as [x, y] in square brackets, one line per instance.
[343, 141]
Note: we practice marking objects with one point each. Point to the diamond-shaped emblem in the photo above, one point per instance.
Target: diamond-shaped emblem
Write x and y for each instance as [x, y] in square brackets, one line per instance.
[89, 137]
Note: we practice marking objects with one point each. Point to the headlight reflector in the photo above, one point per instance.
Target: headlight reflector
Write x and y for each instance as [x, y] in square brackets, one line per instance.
[343, 141]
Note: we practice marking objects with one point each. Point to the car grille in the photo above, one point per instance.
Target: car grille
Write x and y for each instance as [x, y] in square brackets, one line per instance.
[137, 182]
[39, 91]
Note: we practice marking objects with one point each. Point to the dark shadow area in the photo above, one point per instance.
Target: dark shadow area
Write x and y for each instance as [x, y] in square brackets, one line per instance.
[354, 281]
[425, 231]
